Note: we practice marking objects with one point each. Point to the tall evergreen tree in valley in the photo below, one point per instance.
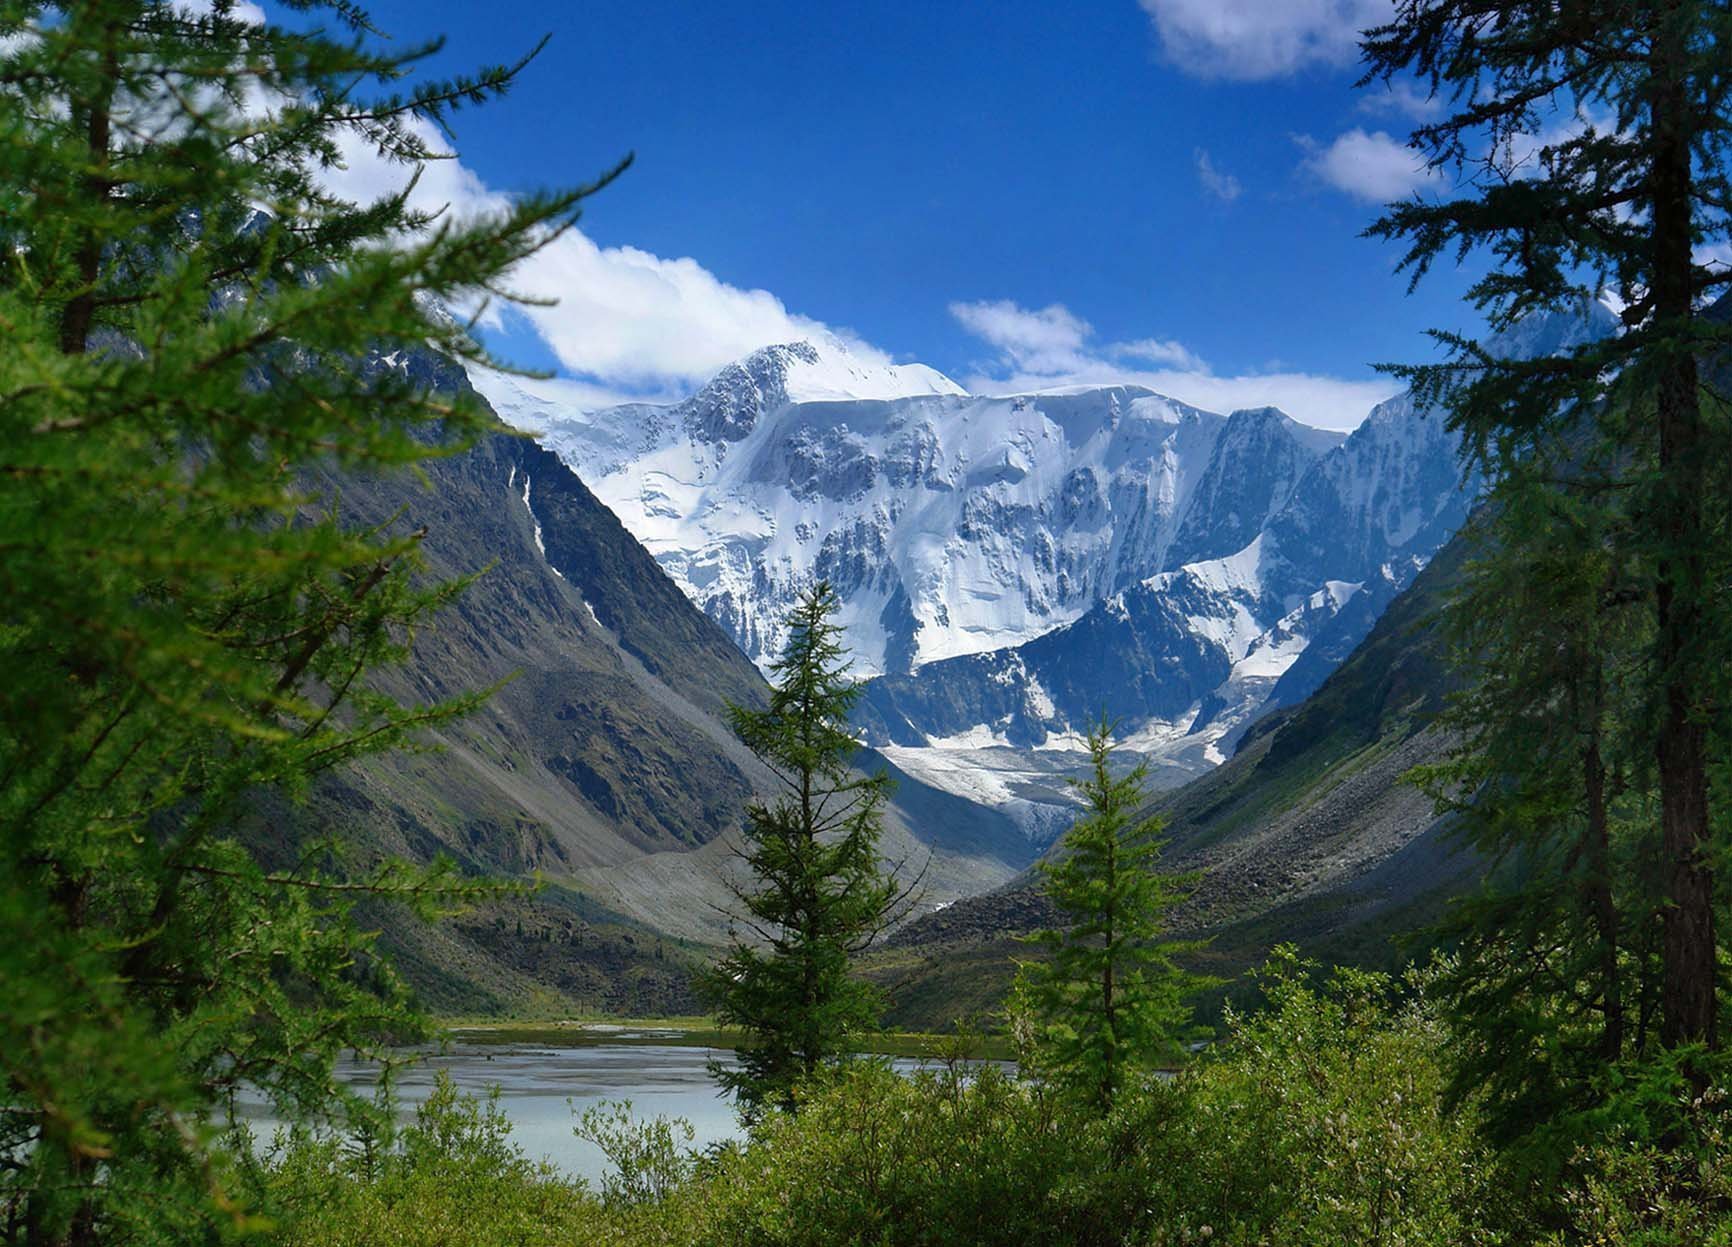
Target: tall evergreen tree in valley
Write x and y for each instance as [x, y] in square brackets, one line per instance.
[1557, 974]
[195, 329]
[1110, 999]
[1589, 140]
[817, 892]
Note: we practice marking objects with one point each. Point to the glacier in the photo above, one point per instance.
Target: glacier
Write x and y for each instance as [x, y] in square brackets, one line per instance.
[951, 524]
[1014, 567]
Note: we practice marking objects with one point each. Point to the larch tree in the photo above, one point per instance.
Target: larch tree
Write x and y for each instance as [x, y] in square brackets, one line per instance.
[1554, 985]
[1110, 998]
[816, 892]
[191, 321]
[1588, 143]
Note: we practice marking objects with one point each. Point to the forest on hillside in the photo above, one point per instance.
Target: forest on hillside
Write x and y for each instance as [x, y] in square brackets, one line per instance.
[203, 340]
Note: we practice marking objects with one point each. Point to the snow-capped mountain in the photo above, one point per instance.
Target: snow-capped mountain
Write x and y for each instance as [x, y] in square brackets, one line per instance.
[1185, 659]
[1013, 567]
[950, 524]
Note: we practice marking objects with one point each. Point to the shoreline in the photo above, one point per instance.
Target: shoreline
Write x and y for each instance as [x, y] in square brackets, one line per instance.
[704, 1033]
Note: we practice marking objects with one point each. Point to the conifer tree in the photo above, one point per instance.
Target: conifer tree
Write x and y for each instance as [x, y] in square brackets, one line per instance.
[196, 331]
[1589, 145]
[1556, 974]
[1111, 998]
[817, 892]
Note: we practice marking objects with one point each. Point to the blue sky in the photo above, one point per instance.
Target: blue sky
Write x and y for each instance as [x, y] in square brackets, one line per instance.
[1017, 193]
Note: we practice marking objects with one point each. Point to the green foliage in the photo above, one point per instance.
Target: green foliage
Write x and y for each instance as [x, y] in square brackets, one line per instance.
[1316, 1121]
[874, 1157]
[196, 329]
[1319, 1119]
[646, 1159]
[1110, 999]
[456, 1180]
[1584, 138]
[1590, 144]
[1652, 1196]
[1553, 993]
[818, 893]
[1547, 778]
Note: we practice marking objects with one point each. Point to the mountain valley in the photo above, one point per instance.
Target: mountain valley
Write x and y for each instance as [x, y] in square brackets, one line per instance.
[1290, 574]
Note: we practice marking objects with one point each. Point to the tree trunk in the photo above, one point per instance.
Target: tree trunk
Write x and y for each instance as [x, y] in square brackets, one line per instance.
[1687, 1005]
[1109, 1017]
[809, 1039]
[77, 317]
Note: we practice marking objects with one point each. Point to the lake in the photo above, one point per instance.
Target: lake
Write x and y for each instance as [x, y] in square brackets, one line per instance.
[544, 1087]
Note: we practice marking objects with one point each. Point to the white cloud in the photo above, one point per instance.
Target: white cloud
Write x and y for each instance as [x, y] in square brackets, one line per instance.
[1368, 165]
[243, 11]
[1223, 186]
[625, 315]
[1251, 39]
[1158, 351]
[1048, 347]
[626, 322]
[632, 324]
[1524, 153]
[1047, 341]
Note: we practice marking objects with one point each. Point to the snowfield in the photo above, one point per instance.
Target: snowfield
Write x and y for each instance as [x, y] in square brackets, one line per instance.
[1011, 567]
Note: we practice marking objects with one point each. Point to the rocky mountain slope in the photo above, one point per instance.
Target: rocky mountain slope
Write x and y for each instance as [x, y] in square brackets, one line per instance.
[601, 764]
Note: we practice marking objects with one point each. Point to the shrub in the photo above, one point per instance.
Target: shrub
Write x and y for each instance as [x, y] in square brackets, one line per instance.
[455, 1180]
[872, 1157]
[647, 1160]
[1320, 1120]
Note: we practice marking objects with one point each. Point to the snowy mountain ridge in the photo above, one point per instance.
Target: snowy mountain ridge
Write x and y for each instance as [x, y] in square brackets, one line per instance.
[1013, 566]
[951, 524]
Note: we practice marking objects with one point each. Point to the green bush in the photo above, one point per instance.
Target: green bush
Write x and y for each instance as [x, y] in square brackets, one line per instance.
[647, 1160]
[1635, 1193]
[455, 1179]
[1320, 1120]
[1317, 1121]
[876, 1158]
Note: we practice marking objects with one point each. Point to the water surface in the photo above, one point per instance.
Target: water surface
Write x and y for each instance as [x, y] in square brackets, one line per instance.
[544, 1087]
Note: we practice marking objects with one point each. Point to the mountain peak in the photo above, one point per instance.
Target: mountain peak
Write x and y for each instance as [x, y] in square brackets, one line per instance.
[824, 371]
[1246, 420]
[1254, 422]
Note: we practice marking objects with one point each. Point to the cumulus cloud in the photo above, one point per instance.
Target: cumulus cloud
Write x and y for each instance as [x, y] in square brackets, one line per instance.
[1044, 348]
[1252, 39]
[625, 321]
[629, 316]
[1368, 165]
[1223, 186]
[632, 324]
[1046, 340]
